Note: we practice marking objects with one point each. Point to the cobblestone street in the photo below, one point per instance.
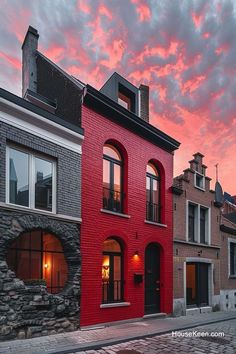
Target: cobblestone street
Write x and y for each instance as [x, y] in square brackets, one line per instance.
[169, 344]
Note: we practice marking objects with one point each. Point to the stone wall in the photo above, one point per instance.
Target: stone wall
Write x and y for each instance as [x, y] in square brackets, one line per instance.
[29, 310]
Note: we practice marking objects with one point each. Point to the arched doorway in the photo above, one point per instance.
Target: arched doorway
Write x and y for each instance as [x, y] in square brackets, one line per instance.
[152, 278]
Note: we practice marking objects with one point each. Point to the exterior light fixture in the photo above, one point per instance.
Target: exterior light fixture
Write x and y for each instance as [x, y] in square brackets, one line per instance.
[45, 265]
[136, 253]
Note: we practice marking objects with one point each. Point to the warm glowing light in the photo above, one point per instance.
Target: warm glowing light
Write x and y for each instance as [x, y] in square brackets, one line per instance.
[105, 267]
[45, 265]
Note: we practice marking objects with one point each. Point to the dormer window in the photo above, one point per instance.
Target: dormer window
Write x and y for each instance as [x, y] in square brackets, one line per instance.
[199, 181]
[126, 98]
[124, 101]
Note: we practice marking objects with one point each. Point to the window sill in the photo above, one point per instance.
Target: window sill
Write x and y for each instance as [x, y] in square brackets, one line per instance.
[41, 212]
[106, 211]
[155, 223]
[114, 304]
[200, 188]
[232, 277]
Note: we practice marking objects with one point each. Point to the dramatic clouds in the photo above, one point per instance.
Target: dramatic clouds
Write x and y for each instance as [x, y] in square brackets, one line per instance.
[184, 50]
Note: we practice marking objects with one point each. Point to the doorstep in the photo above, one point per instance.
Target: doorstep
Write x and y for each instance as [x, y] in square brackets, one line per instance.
[155, 315]
[198, 310]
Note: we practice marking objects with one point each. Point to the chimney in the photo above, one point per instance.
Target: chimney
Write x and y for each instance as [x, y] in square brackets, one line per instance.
[29, 69]
[144, 102]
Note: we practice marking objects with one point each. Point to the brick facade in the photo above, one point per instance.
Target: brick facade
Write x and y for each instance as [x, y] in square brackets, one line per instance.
[186, 251]
[133, 232]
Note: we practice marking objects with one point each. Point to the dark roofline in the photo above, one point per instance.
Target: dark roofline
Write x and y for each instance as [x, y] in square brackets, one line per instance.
[227, 229]
[37, 110]
[115, 112]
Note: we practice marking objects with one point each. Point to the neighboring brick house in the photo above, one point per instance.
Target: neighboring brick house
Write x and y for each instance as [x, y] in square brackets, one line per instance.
[127, 171]
[40, 217]
[196, 241]
[228, 260]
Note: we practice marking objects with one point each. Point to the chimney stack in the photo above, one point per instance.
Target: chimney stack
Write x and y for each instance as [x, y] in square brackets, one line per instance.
[29, 69]
[144, 102]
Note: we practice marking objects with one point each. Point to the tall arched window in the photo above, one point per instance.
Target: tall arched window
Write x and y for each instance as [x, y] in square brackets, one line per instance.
[38, 255]
[112, 272]
[153, 206]
[112, 179]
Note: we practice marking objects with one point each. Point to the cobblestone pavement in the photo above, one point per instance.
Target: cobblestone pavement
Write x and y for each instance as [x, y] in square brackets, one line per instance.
[180, 345]
[127, 334]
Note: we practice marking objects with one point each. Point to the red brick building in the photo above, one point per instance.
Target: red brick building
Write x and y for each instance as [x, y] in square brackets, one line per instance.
[197, 241]
[126, 235]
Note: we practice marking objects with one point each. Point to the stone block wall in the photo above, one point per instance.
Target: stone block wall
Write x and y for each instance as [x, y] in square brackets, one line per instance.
[30, 310]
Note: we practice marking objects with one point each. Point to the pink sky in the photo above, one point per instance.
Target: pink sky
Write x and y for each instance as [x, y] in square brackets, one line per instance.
[184, 50]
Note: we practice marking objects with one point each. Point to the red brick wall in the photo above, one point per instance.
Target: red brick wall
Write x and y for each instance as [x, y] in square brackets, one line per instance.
[134, 233]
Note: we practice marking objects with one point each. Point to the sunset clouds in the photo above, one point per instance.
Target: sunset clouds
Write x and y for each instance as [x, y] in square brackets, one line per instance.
[185, 50]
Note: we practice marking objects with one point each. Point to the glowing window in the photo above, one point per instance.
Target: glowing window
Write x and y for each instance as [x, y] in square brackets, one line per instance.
[38, 255]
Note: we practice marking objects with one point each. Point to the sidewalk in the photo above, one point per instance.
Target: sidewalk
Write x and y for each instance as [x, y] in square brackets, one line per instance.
[95, 338]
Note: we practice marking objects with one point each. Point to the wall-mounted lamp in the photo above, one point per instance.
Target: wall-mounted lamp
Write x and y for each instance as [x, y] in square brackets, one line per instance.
[45, 265]
[136, 253]
[199, 253]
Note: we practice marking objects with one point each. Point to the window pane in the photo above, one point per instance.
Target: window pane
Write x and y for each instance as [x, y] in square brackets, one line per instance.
[106, 184]
[106, 174]
[36, 265]
[232, 258]
[19, 177]
[191, 222]
[117, 278]
[111, 245]
[111, 151]
[117, 177]
[148, 189]
[23, 267]
[51, 243]
[151, 170]
[155, 191]
[202, 225]
[124, 100]
[36, 240]
[43, 184]
[54, 271]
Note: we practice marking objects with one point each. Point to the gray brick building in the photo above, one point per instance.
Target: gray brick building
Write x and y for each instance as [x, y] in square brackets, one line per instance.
[40, 217]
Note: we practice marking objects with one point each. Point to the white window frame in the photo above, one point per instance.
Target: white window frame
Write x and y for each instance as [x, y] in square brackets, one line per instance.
[203, 180]
[197, 222]
[230, 240]
[31, 177]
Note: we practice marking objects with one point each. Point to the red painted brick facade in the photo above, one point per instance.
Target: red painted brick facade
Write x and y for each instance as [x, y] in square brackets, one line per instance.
[133, 232]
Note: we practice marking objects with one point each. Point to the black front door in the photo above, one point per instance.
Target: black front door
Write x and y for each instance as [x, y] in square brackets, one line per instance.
[152, 279]
[197, 284]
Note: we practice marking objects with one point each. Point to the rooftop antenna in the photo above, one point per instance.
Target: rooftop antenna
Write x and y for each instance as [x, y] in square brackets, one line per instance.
[216, 166]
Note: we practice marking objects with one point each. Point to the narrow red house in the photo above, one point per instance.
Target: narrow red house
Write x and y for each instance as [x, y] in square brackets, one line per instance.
[127, 231]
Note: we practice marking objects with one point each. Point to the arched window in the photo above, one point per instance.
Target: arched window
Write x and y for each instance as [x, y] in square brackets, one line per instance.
[112, 179]
[153, 207]
[112, 272]
[38, 255]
